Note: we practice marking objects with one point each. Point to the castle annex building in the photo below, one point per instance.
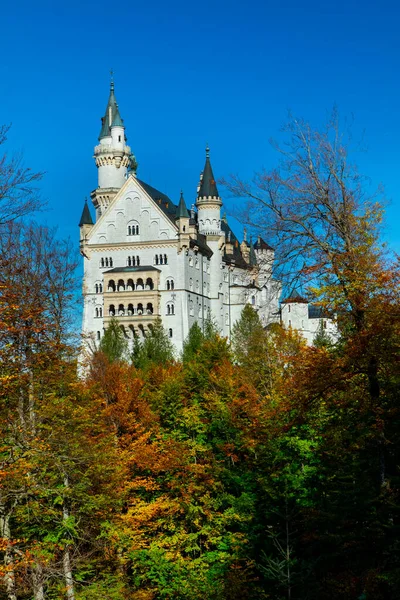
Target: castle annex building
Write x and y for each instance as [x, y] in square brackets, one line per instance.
[146, 256]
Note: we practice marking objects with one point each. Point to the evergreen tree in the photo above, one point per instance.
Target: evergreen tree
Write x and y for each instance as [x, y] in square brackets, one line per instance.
[192, 343]
[156, 348]
[113, 343]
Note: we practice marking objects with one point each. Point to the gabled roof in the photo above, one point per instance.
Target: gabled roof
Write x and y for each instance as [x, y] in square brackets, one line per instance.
[86, 218]
[208, 187]
[261, 245]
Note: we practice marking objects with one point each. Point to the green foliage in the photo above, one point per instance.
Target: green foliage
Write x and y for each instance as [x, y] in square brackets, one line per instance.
[155, 349]
[113, 343]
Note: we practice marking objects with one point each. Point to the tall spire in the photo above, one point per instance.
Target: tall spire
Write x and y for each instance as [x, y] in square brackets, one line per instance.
[112, 116]
[208, 186]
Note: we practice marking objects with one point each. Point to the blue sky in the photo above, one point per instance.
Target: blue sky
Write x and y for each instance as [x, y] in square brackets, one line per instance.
[187, 74]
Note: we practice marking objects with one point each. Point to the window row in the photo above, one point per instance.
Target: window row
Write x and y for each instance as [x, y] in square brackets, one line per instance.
[106, 262]
[161, 259]
[133, 261]
[130, 285]
[98, 288]
[130, 310]
[99, 312]
[206, 286]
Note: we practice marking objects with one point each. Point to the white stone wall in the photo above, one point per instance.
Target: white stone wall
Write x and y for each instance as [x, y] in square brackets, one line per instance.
[295, 315]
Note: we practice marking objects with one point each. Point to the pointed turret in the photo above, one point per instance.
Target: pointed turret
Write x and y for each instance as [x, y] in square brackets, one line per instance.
[86, 218]
[112, 155]
[208, 186]
[182, 222]
[181, 210]
[111, 114]
[208, 201]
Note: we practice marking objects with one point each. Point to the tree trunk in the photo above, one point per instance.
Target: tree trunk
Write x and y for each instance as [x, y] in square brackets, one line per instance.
[37, 582]
[69, 581]
[9, 577]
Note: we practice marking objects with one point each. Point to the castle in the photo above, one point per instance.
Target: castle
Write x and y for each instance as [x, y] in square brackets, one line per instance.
[147, 257]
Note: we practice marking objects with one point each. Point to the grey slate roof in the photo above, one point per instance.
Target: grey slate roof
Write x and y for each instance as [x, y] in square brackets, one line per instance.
[132, 269]
[236, 257]
[86, 218]
[208, 187]
[165, 203]
[182, 211]
[261, 245]
[115, 116]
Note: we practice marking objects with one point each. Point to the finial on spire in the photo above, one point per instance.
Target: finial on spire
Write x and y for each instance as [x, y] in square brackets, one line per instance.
[207, 151]
[111, 79]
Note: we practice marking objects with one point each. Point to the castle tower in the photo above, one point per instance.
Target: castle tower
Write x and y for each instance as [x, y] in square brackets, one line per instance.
[182, 222]
[208, 202]
[112, 156]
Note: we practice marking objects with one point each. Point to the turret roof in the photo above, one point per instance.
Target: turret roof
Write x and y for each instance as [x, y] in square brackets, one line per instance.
[182, 211]
[86, 218]
[112, 116]
[208, 186]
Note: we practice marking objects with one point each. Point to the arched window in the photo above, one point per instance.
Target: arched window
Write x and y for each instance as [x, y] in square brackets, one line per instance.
[133, 228]
[111, 262]
[111, 285]
[190, 261]
[170, 308]
[129, 261]
[121, 310]
[170, 284]
[140, 308]
[98, 335]
[161, 259]
[165, 259]
[100, 288]
[149, 284]
[137, 261]
[111, 310]
[191, 284]
[102, 263]
[97, 312]
[140, 284]
[106, 262]
[96, 287]
[156, 259]
[149, 308]
[191, 308]
[170, 332]
[197, 263]
[130, 285]
[130, 309]
[121, 285]
[100, 312]
[133, 261]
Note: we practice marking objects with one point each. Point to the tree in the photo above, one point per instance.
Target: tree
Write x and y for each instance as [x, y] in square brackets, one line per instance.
[113, 343]
[18, 194]
[156, 348]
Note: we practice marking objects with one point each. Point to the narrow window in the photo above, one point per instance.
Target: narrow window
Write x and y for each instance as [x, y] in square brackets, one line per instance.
[137, 261]
[106, 261]
[288, 307]
[129, 261]
[119, 138]
[165, 259]
[133, 261]
[156, 259]
[98, 335]
[111, 262]
[170, 333]
[101, 288]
